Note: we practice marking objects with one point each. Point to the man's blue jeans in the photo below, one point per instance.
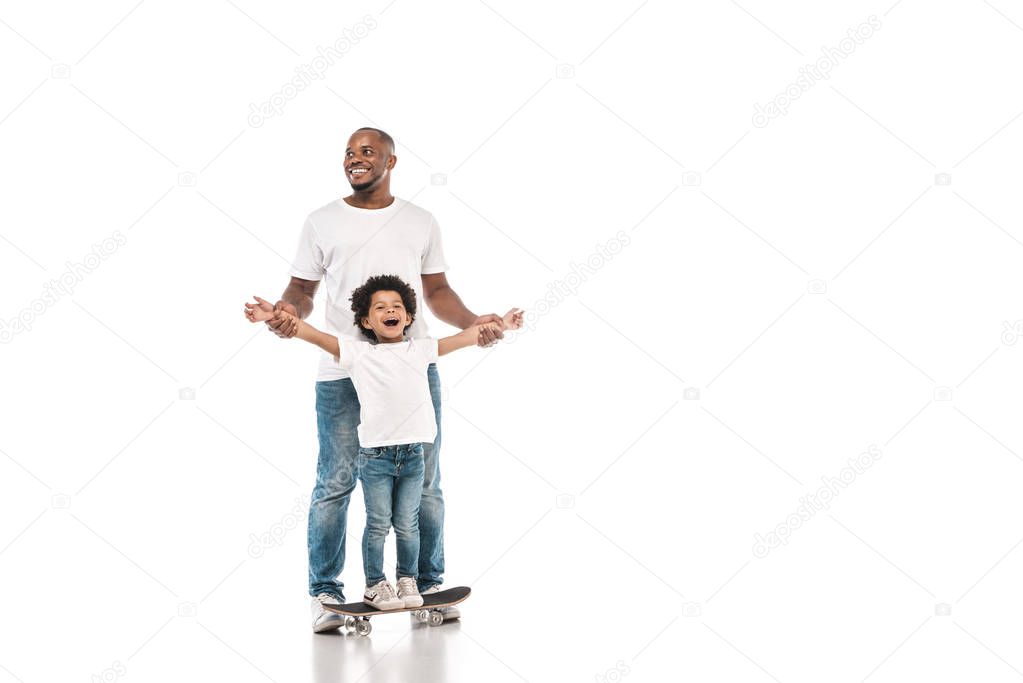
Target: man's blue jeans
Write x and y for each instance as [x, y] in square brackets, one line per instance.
[337, 417]
[392, 482]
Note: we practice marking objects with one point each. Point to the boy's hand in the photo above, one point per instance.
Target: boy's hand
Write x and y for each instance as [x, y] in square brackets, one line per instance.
[513, 319]
[259, 311]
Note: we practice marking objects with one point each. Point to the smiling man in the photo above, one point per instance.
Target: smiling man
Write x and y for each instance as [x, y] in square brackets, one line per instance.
[370, 232]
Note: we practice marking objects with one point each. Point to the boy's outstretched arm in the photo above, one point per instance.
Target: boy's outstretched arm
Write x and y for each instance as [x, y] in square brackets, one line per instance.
[264, 310]
[307, 332]
[468, 337]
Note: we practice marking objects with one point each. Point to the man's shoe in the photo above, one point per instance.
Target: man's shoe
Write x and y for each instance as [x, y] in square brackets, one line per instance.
[324, 620]
[382, 596]
[448, 612]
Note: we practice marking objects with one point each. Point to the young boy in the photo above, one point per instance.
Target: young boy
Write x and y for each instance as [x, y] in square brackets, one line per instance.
[396, 418]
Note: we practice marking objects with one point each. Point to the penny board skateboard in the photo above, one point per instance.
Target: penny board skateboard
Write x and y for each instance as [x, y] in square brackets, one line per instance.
[358, 613]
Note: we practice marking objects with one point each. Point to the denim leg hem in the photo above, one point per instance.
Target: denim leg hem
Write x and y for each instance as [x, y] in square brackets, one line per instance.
[339, 598]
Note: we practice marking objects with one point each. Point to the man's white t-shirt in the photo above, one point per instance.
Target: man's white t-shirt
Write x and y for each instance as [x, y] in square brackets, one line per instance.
[344, 245]
[394, 392]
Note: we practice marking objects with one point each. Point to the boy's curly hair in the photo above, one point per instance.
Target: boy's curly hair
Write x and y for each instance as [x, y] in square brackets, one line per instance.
[362, 296]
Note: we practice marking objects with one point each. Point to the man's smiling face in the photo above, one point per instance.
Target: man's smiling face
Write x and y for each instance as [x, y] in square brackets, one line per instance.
[387, 316]
[368, 160]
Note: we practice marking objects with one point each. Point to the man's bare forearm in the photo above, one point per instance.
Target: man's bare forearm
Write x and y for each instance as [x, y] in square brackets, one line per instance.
[296, 296]
[448, 307]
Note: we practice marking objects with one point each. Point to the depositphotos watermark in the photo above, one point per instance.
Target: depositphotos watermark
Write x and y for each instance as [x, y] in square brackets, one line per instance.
[274, 536]
[810, 74]
[110, 674]
[74, 273]
[325, 58]
[1011, 332]
[614, 674]
[561, 289]
[815, 502]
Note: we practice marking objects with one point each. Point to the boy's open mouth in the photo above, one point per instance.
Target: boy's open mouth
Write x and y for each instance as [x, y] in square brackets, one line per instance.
[391, 322]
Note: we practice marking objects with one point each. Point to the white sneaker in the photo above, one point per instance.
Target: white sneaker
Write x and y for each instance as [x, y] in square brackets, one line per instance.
[324, 620]
[409, 592]
[382, 596]
[448, 612]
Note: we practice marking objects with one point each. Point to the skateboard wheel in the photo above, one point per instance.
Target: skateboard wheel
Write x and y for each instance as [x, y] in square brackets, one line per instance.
[349, 624]
[436, 618]
[363, 627]
[421, 615]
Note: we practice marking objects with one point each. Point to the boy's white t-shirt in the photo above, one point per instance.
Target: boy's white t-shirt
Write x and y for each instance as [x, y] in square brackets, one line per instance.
[394, 392]
[344, 245]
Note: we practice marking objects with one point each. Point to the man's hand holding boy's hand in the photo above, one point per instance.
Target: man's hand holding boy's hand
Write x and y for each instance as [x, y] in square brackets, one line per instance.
[285, 320]
[489, 334]
[282, 319]
[492, 327]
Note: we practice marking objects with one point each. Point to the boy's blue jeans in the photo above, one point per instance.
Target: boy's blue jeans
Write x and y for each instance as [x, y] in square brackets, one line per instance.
[392, 481]
[337, 417]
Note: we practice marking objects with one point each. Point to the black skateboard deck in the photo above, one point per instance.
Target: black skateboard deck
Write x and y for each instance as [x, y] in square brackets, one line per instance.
[358, 613]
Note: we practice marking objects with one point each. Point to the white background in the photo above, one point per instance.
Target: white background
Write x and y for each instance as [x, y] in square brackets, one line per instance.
[815, 281]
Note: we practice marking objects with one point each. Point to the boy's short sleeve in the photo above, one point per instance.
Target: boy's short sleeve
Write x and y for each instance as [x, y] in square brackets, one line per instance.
[428, 350]
[433, 257]
[308, 263]
[350, 350]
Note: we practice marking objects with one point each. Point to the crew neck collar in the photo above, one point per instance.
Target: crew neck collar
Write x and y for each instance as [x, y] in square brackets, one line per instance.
[406, 340]
[390, 207]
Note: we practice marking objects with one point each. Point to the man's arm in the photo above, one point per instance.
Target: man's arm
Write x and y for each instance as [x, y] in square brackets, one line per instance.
[448, 307]
[445, 303]
[297, 300]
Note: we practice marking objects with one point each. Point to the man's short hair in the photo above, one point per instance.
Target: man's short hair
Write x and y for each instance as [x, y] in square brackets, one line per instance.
[383, 136]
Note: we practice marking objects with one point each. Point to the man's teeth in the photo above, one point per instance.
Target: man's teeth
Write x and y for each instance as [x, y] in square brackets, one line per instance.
[359, 171]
